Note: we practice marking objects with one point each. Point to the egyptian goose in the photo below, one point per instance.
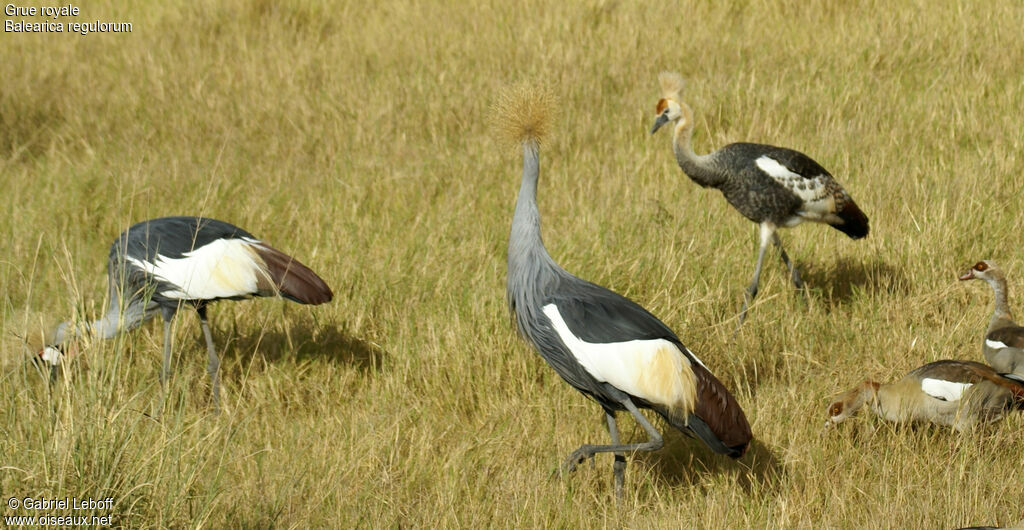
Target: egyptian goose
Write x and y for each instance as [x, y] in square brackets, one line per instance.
[956, 393]
[1004, 339]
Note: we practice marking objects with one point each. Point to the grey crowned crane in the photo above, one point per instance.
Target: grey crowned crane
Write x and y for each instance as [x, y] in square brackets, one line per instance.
[772, 186]
[603, 344]
[1004, 340]
[956, 393]
[160, 265]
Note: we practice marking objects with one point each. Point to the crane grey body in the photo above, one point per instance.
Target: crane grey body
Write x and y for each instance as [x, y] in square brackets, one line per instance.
[156, 266]
[609, 348]
[772, 186]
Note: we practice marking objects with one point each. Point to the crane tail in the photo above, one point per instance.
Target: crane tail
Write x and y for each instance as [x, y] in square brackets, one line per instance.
[855, 223]
[292, 279]
[717, 420]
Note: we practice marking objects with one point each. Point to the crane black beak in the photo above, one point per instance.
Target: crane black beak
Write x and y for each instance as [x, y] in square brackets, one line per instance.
[662, 120]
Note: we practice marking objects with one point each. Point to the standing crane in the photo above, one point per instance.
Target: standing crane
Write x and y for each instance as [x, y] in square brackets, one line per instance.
[603, 344]
[1004, 339]
[159, 265]
[772, 186]
[955, 393]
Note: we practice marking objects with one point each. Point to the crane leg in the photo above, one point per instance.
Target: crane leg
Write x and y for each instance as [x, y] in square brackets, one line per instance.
[214, 362]
[586, 451]
[767, 232]
[794, 274]
[619, 467]
[165, 372]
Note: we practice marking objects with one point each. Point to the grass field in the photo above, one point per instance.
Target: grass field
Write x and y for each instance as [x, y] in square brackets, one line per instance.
[357, 137]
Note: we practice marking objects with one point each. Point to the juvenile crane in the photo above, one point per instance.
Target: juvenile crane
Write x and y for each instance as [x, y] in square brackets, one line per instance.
[159, 265]
[956, 393]
[772, 186]
[1004, 340]
[603, 344]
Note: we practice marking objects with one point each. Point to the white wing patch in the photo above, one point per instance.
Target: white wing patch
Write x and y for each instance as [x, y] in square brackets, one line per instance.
[819, 205]
[220, 269]
[994, 344]
[945, 390]
[654, 370]
[694, 355]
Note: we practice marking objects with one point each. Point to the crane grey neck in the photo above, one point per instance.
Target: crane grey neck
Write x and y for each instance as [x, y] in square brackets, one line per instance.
[530, 268]
[1001, 317]
[698, 167]
[110, 324]
[104, 327]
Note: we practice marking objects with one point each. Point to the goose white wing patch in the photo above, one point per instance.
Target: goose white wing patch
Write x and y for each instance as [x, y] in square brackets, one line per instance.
[220, 269]
[819, 205]
[944, 390]
[654, 370]
[994, 344]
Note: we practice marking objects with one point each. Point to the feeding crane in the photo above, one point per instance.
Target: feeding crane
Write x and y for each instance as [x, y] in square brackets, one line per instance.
[161, 265]
[772, 186]
[605, 345]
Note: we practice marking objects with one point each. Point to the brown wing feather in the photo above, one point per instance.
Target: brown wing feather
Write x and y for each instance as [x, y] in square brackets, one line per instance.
[1012, 336]
[720, 410]
[955, 371]
[292, 279]
[1015, 387]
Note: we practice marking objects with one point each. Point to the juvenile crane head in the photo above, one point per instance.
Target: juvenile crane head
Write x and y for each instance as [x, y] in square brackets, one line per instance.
[670, 106]
[848, 403]
[983, 270]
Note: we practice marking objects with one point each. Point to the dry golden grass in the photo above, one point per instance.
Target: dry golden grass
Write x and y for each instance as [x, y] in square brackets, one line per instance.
[357, 136]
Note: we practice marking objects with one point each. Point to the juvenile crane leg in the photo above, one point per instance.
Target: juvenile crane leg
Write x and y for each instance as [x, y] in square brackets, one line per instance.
[165, 372]
[214, 363]
[767, 232]
[586, 451]
[795, 274]
[619, 467]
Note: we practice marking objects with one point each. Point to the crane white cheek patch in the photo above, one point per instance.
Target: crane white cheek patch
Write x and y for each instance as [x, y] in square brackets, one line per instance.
[994, 344]
[654, 370]
[945, 390]
[51, 355]
[220, 269]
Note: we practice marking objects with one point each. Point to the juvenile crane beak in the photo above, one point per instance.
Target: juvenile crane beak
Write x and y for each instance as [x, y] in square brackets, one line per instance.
[662, 120]
[969, 275]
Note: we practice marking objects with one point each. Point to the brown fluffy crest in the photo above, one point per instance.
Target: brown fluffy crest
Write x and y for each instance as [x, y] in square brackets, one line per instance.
[671, 85]
[524, 114]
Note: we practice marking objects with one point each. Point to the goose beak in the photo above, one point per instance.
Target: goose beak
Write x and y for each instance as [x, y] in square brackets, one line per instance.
[662, 120]
[969, 275]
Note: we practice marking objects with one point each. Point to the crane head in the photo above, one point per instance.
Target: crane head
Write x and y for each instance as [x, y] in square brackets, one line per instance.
[982, 270]
[670, 106]
[49, 349]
